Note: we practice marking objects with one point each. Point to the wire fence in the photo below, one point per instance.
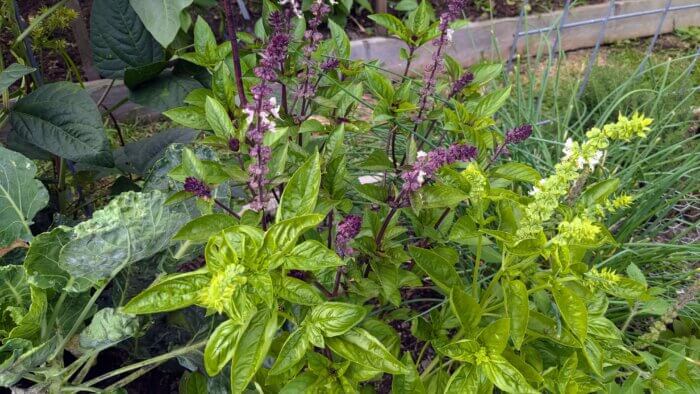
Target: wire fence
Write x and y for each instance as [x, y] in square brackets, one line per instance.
[563, 24]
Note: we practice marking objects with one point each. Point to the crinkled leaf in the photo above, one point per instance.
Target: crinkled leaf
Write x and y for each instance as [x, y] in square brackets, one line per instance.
[21, 196]
[119, 39]
[297, 291]
[62, 118]
[132, 227]
[107, 328]
[282, 236]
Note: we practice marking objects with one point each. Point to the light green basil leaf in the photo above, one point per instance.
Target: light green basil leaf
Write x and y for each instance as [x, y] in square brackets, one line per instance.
[518, 309]
[300, 194]
[593, 353]
[282, 236]
[293, 351]
[169, 294]
[464, 380]
[251, 349]
[573, 309]
[221, 346]
[297, 291]
[202, 228]
[466, 308]
[462, 350]
[505, 376]
[360, 347]
[189, 116]
[495, 335]
[218, 118]
[21, 196]
[441, 272]
[517, 172]
[336, 318]
[310, 256]
[410, 382]
[340, 39]
[438, 196]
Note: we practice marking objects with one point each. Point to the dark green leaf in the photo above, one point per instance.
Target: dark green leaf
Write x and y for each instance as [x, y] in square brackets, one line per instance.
[138, 156]
[12, 74]
[166, 92]
[441, 272]
[161, 18]
[61, 118]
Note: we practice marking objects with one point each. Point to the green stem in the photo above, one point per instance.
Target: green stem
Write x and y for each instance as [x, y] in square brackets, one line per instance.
[475, 274]
[145, 363]
[59, 304]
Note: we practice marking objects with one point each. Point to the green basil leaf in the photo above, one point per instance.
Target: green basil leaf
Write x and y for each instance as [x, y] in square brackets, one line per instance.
[189, 116]
[12, 74]
[293, 351]
[573, 309]
[505, 376]
[464, 380]
[282, 236]
[221, 346]
[336, 318]
[518, 309]
[251, 349]
[297, 291]
[169, 294]
[462, 350]
[410, 382]
[300, 194]
[517, 172]
[192, 383]
[437, 267]
[599, 191]
[310, 256]
[393, 25]
[202, 228]
[358, 346]
[438, 196]
[495, 335]
[466, 308]
[593, 353]
[218, 118]
[340, 39]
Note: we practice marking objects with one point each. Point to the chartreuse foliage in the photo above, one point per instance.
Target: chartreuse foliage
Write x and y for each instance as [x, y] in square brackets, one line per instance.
[332, 228]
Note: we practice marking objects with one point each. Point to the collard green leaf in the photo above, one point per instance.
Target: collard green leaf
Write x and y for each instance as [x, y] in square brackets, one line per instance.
[61, 118]
[15, 296]
[518, 309]
[336, 318]
[505, 376]
[132, 227]
[12, 74]
[311, 255]
[293, 351]
[138, 156]
[466, 308]
[202, 228]
[119, 39]
[29, 326]
[221, 346]
[441, 271]
[107, 328]
[251, 349]
[164, 93]
[573, 310]
[300, 194]
[21, 196]
[359, 346]
[161, 18]
[168, 294]
[24, 359]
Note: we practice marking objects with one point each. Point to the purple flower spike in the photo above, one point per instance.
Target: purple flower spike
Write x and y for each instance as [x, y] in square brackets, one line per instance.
[234, 144]
[462, 83]
[428, 164]
[348, 228]
[330, 64]
[197, 187]
[518, 134]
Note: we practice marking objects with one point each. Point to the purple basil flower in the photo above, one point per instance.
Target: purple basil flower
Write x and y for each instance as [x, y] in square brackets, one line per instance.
[518, 134]
[264, 107]
[428, 164]
[319, 10]
[348, 228]
[461, 83]
[197, 187]
[330, 64]
[234, 144]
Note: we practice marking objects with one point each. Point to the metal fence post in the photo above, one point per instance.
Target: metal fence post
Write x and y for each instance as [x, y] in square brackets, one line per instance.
[650, 49]
[516, 36]
[594, 55]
